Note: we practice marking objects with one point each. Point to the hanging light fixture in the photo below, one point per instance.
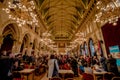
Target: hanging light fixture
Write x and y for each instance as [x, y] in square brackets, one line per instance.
[108, 12]
[22, 12]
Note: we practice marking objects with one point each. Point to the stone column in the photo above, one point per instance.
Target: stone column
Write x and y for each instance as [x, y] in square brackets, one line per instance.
[29, 49]
[16, 46]
[101, 38]
[103, 44]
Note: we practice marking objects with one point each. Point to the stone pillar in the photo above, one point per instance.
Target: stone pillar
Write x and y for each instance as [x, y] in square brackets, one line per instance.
[101, 38]
[29, 49]
[103, 44]
[16, 46]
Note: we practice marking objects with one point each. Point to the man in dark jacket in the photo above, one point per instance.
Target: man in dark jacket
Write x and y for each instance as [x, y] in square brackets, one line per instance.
[111, 65]
[74, 65]
[4, 67]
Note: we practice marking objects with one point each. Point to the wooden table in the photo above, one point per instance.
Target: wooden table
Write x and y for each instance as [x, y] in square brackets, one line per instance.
[95, 73]
[27, 72]
[63, 72]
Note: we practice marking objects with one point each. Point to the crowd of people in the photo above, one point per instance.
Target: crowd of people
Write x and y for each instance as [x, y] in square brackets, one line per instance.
[10, 62]
[82, 64]
[51, 63]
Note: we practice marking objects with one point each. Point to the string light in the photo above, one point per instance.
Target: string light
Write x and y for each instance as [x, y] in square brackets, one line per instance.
[21, 12]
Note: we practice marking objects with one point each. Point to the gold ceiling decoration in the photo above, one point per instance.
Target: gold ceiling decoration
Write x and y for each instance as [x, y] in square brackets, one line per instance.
[62, 17]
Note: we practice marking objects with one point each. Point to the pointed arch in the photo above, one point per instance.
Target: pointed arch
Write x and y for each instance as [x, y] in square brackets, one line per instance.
[10, 34]
[25, 42]
[91, 47]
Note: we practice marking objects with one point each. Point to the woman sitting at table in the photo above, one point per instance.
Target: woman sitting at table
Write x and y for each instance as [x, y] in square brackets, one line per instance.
[16, 68]
[88, 69]
[97, 67]
[67, 66]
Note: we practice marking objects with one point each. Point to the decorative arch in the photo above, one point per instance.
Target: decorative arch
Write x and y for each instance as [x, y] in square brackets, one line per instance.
[91, 47]
[25, 42]
[28, 35]
[14, 28]
[10, 34]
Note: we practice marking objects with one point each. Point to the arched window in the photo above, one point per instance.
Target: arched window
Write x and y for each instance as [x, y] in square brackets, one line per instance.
[92, 49]
[86, 49]
[7, 43]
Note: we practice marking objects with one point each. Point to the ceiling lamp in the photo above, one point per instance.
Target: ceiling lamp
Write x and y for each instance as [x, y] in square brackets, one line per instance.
[108, 12]
[79, 40]
[22, 12]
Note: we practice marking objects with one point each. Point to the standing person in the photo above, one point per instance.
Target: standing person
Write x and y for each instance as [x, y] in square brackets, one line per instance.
[103, 62]
[6, 66]
[111, 65]
[52, 67]
[25, 56]
[95, 60]
[74, 65]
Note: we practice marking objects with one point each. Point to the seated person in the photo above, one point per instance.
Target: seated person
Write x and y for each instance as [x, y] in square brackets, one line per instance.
[16, 68]
[67, 66]
[97, 68]
[32, 66]
[26, 66]
[87, 69]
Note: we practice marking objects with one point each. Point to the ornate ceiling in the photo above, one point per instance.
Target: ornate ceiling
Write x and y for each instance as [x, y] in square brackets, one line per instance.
[63, 17]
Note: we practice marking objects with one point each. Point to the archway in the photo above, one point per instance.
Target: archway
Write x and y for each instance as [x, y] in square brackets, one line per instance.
[7, 43]
[25, 43]
[10, 34]
[92, 48]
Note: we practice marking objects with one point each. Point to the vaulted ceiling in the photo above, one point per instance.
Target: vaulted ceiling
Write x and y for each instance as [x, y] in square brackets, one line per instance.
[62, 17]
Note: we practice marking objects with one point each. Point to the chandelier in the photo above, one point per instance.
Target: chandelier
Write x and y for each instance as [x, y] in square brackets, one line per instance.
[79, 40]
[46, 39]
[22, 11]
[108, 12]
[80, 37]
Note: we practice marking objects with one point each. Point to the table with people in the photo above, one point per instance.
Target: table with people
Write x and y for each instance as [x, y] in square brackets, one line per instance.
[27, 72]
[64, 72]
[64, 63]
[100, 73]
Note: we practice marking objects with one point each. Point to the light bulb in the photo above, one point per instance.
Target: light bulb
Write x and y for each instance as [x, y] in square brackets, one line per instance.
[114, 24]
[10, 16]
[19, 25]
[7, 10]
